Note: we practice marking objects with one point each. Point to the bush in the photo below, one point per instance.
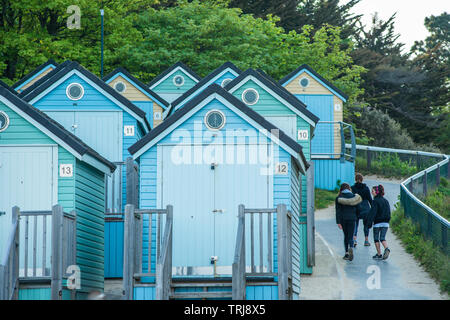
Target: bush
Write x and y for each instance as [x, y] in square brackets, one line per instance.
[435, 262]
[387, 165]
[383, 131]
[324, 198]
[439, 200]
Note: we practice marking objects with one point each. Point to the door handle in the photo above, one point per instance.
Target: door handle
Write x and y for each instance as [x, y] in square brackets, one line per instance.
[74, 126]
[219, 210]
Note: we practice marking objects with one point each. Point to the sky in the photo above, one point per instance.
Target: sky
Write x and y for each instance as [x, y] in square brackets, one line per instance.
[410, 17]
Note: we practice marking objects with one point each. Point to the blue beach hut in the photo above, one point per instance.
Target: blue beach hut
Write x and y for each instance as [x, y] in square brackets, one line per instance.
[138, 93]
[209, 157]
[326, 101]
[42, 165]
[106, 120]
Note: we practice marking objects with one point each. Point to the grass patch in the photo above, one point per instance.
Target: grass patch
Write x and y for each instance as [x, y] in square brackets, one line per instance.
[439, 200]
[431, 257]
[324, 198]
[387, 165]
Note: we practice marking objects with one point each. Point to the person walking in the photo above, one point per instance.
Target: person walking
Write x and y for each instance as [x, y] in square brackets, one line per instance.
[345, 204]
[380, 215]
[363, 208]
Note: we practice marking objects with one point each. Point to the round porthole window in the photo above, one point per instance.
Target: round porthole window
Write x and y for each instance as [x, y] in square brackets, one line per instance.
[215, 120]
[4, 121]
[250, 96]
[120, 86]
[178, 80]
[75, 91]
[225, 82]
[304, 82]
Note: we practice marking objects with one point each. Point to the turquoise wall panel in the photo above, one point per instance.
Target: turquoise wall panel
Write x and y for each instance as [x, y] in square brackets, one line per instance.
[35, 294]
[261, 293]
[226, 75]
[89, 206]
[113, 249]
[144, 293]
[167, 86]
[328, 172]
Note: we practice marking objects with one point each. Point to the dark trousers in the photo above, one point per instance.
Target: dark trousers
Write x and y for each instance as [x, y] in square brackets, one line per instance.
[366, 229]
[348, 227]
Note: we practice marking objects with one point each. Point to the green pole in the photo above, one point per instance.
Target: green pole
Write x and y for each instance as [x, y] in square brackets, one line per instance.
[102, 13]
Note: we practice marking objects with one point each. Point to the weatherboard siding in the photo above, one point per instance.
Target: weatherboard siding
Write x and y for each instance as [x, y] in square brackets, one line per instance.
[131, 92]
[89, 206]
[148, 171]
[267, 105]
[167, 85]
[36, 77]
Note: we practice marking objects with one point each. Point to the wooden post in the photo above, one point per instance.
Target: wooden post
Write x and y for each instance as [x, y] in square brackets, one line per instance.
[128, 253]
[438, 175]
[425, 183]
[132, 182]
[238, 280]
[15, 217]
[369, 159]
[283, 281]
[310, 223]
[57, 252]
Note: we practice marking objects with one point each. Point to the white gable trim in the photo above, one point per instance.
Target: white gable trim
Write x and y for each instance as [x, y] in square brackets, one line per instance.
[172, 72]
[287, 104]
[212, 80]
[234, 109]
[86, 158]
[95, 86]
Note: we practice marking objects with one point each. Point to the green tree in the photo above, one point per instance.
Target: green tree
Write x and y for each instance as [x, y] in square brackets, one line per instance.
[204, 35]
[33, 31]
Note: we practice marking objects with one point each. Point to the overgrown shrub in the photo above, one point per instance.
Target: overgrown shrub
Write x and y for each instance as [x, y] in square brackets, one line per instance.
[383, 131]
[387, 165]
[435, 262]
[439, 200]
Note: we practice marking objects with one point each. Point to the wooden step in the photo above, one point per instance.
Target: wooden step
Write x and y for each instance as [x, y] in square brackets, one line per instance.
[201, 295]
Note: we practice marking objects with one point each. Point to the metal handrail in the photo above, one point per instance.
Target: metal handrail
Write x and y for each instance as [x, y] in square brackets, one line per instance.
[408, 193]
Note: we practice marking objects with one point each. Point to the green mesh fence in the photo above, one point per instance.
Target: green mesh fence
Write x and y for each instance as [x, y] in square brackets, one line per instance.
[431, 225]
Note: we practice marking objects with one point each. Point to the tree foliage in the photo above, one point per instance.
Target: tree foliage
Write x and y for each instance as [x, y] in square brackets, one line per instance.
[205, 35]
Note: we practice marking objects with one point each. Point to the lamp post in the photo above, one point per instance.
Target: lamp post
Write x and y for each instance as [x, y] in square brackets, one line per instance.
[102, 13]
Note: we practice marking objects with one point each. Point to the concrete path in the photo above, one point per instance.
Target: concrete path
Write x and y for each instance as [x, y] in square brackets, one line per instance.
[400, 277]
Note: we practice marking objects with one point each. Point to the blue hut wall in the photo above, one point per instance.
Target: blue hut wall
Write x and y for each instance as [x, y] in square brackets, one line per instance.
[281, 188]
[100, 136]
[328, 172]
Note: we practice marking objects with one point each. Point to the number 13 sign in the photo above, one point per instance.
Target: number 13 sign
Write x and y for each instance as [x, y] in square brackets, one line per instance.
[66, 170]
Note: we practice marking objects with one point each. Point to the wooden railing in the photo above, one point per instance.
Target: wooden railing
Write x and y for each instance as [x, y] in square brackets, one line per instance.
[9, 265]
[238, 277]
[284, 245]
[164, 263]
[158, 245]
[62, 251]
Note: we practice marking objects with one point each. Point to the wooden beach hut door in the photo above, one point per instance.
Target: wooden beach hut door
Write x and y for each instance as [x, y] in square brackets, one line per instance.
[27, 175]
[205, 198]
[101, 131]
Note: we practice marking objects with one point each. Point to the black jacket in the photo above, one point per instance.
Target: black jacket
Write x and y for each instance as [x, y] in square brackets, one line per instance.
[380, 211]
[345, 212]
[363, 209]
